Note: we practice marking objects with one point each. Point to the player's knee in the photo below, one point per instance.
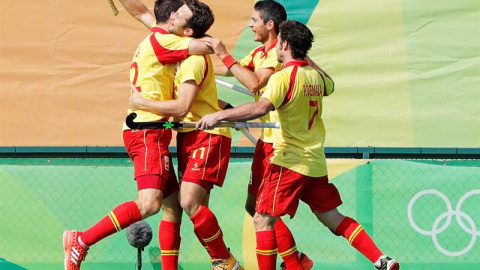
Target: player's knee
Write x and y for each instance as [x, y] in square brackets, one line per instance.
[172, 215]
[172, 211]
[263, 222]
[190, 207]
[148, 207]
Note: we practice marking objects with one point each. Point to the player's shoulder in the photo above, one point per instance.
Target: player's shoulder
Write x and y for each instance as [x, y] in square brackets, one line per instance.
[171, 38]
[281, 75]
[256, 50]
[194, 61]
[196, 58]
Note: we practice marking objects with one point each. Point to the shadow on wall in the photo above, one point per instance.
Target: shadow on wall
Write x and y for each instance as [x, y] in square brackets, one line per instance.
[6, 265]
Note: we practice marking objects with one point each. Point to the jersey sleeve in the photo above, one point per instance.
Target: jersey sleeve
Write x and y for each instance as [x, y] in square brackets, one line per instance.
[170, 48]
[328, 84]
[194, 68]
[247, 59]
[277, 89]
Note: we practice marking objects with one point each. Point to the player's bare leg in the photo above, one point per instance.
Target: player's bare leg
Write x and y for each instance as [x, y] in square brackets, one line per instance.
[76, 243]
[285, 241]
[205, 224]
[357, 237]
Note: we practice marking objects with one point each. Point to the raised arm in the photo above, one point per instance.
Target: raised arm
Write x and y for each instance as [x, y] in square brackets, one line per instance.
[253, 81]
[320, 70]
[317, 68]
[139, 11]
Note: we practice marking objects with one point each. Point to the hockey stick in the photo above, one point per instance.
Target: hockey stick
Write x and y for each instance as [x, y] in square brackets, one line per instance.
[235, 87]
[249, 136]
[164, 125]
[113, 7]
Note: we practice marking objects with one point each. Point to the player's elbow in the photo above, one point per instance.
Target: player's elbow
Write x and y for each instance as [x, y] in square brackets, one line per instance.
[182, 111]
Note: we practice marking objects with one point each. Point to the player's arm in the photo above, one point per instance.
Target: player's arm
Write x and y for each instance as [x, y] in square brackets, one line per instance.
[139, 11]
[330, 84]
[179, 107]
[253, 81]
[224, 105]
[245, 112]
[221, 70]
[197, 46]
[317, 68]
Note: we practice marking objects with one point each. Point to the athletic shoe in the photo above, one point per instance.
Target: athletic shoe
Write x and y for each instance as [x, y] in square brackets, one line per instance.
[387, 263]
[75, 251]
[229, 263]
[305, 261]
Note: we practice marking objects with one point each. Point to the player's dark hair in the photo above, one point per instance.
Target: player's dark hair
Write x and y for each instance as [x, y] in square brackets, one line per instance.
[202, 18]
[164, 8]
[271, 10]
[298, 37]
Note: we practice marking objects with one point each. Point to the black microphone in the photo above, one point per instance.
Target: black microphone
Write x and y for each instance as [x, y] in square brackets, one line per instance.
[139, 235]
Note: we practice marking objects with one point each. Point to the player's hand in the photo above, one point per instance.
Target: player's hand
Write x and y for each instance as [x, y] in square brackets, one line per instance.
[136, 99]
[209, 121]
[217, 46]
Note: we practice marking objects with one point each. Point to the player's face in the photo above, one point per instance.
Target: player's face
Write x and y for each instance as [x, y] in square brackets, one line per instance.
[280, 49]
[259, 28]
[180, 21]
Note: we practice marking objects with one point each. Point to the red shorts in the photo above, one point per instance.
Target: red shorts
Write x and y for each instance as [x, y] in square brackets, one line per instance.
[261, 159]
[203, 157]
[148, 148]
[282, 189]
[155, 181]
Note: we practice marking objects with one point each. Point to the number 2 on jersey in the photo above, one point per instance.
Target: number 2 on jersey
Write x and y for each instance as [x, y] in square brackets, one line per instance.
[134, 65]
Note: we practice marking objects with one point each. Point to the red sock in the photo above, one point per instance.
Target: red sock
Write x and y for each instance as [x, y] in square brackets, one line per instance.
[286, 246]
[358, 238]
[120, 218]
[266, 250]
[206, 226]
[169, 239]
[203, 243]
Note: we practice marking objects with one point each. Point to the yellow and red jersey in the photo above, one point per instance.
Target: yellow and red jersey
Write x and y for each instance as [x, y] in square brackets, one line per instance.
[153, 68]
[297, 92]
[259, 58]
[199, 68]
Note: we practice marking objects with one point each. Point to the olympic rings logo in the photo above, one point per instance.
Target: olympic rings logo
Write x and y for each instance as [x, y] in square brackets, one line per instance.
[472, 230]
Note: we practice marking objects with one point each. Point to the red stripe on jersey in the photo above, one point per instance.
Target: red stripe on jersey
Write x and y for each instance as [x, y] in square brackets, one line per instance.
[206, 71]
[288, 96]
[165, 56]
[274, 44]
[302, 63]
[251, 65]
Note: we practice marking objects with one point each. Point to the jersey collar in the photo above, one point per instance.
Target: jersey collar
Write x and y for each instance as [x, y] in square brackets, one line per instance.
[159, 30]
[265, 51]
[301, 63]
